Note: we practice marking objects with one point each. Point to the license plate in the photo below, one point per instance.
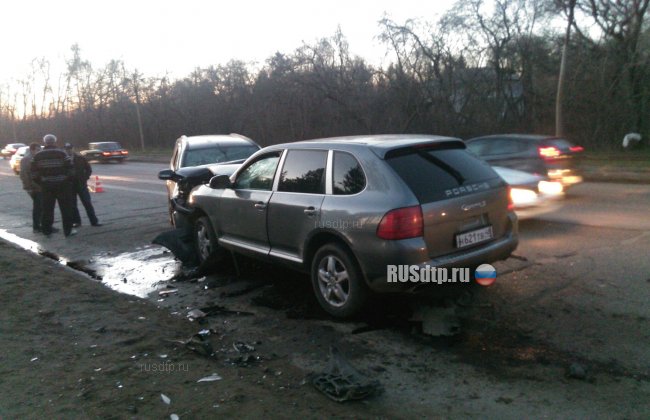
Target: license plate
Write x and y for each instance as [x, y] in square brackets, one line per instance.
[473, 237]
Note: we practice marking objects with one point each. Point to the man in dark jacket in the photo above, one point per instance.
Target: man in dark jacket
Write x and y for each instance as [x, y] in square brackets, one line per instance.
[82, 172]
[52, 171]
[30, 187]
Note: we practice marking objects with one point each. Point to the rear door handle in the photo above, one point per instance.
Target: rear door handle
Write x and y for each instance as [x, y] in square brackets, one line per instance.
[260, 205]
[310, 211]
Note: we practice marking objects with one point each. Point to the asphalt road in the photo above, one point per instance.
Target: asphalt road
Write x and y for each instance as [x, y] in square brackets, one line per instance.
[576, 290]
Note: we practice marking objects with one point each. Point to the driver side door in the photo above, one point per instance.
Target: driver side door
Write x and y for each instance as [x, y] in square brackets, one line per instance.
[243, 208]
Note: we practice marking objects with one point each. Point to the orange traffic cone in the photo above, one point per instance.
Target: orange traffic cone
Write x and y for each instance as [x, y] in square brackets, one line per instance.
[97, 188]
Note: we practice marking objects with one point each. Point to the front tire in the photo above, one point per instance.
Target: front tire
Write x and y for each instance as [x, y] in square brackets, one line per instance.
[208, 249]
[337, 281]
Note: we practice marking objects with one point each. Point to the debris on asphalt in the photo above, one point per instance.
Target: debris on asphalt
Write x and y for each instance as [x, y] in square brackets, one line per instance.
[220, 310]
[211, 378]
[199, 344]
[206, 332]
[577, 371]
[437, 321]
[242, 347]
[341, 382]
[181, 243]
[244, 290]
[244, 360]
[165, 399]
[33, 359]
[196, 314]
[167, 292]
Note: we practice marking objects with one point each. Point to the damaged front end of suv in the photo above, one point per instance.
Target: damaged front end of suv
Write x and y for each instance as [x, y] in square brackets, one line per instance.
[180, 241]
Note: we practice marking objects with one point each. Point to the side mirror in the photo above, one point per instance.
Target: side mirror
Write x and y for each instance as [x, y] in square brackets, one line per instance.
[166, 175]
[220, 182]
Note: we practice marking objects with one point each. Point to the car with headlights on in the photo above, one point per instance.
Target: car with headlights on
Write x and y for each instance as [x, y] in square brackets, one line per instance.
[105, 151]
[532, 195]
[11, 148]
[546, 156]
[14, 162]
[344, 209]
[194, 160]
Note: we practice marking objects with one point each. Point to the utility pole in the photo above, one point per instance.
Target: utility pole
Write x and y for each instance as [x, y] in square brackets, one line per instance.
[559, 116]
[137, 108]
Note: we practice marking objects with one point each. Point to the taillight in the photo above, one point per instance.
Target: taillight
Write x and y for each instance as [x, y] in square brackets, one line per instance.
[125, 152]
[511, 204]
[549, 152]
[401, 223]
[576, 149]
[106, 153]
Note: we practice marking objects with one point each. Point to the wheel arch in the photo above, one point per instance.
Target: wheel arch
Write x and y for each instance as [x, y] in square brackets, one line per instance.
[320, 238]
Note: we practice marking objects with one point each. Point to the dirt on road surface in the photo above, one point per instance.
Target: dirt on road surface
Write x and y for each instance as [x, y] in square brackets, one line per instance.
[73, 348]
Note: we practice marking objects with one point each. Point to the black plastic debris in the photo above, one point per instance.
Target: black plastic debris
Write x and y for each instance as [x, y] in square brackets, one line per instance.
[342, 382]
[220, 310]
[181, 243]
[244, 360]
[200, 344]
[577, 371]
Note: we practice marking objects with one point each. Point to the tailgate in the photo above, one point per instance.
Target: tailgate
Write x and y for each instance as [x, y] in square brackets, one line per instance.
[465, 222]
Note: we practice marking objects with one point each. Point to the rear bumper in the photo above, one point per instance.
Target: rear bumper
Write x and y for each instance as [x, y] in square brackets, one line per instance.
[499, 249]
[109, 158]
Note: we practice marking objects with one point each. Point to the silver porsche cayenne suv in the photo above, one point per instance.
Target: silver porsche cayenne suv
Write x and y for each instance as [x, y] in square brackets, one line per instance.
[343, 209]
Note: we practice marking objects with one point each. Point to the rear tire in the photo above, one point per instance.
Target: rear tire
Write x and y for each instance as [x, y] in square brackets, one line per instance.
[337, 281]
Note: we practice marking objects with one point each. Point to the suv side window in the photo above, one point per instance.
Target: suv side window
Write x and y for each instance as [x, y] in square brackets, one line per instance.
[259, 174]
[304, 172]
[505, 147]
[348, 177]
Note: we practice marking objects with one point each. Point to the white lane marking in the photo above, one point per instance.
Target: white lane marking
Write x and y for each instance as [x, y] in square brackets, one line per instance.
[108, 187]
[125, 179]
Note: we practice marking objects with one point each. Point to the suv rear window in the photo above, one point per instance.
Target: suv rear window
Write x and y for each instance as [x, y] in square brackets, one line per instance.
[436, 174]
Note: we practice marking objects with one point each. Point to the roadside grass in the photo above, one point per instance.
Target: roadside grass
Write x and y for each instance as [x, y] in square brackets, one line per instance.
[635, 159]
[151, 155]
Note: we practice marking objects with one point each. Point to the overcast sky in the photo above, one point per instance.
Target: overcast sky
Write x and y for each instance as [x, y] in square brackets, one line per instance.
[164, 36]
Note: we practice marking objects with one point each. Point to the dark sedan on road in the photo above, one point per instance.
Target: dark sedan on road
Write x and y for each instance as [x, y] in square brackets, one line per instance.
[343, 209]
[106, 151]
[547, 156]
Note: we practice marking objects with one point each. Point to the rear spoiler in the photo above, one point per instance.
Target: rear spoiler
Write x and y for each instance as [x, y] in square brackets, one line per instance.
[415, 148]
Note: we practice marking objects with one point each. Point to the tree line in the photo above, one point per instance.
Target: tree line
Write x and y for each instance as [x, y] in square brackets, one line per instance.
[579, 68]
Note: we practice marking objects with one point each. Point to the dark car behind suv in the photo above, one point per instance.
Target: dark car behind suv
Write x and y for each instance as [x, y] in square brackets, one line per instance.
[105, 151]
[344, 209]
[192, 160]
[552, 157]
